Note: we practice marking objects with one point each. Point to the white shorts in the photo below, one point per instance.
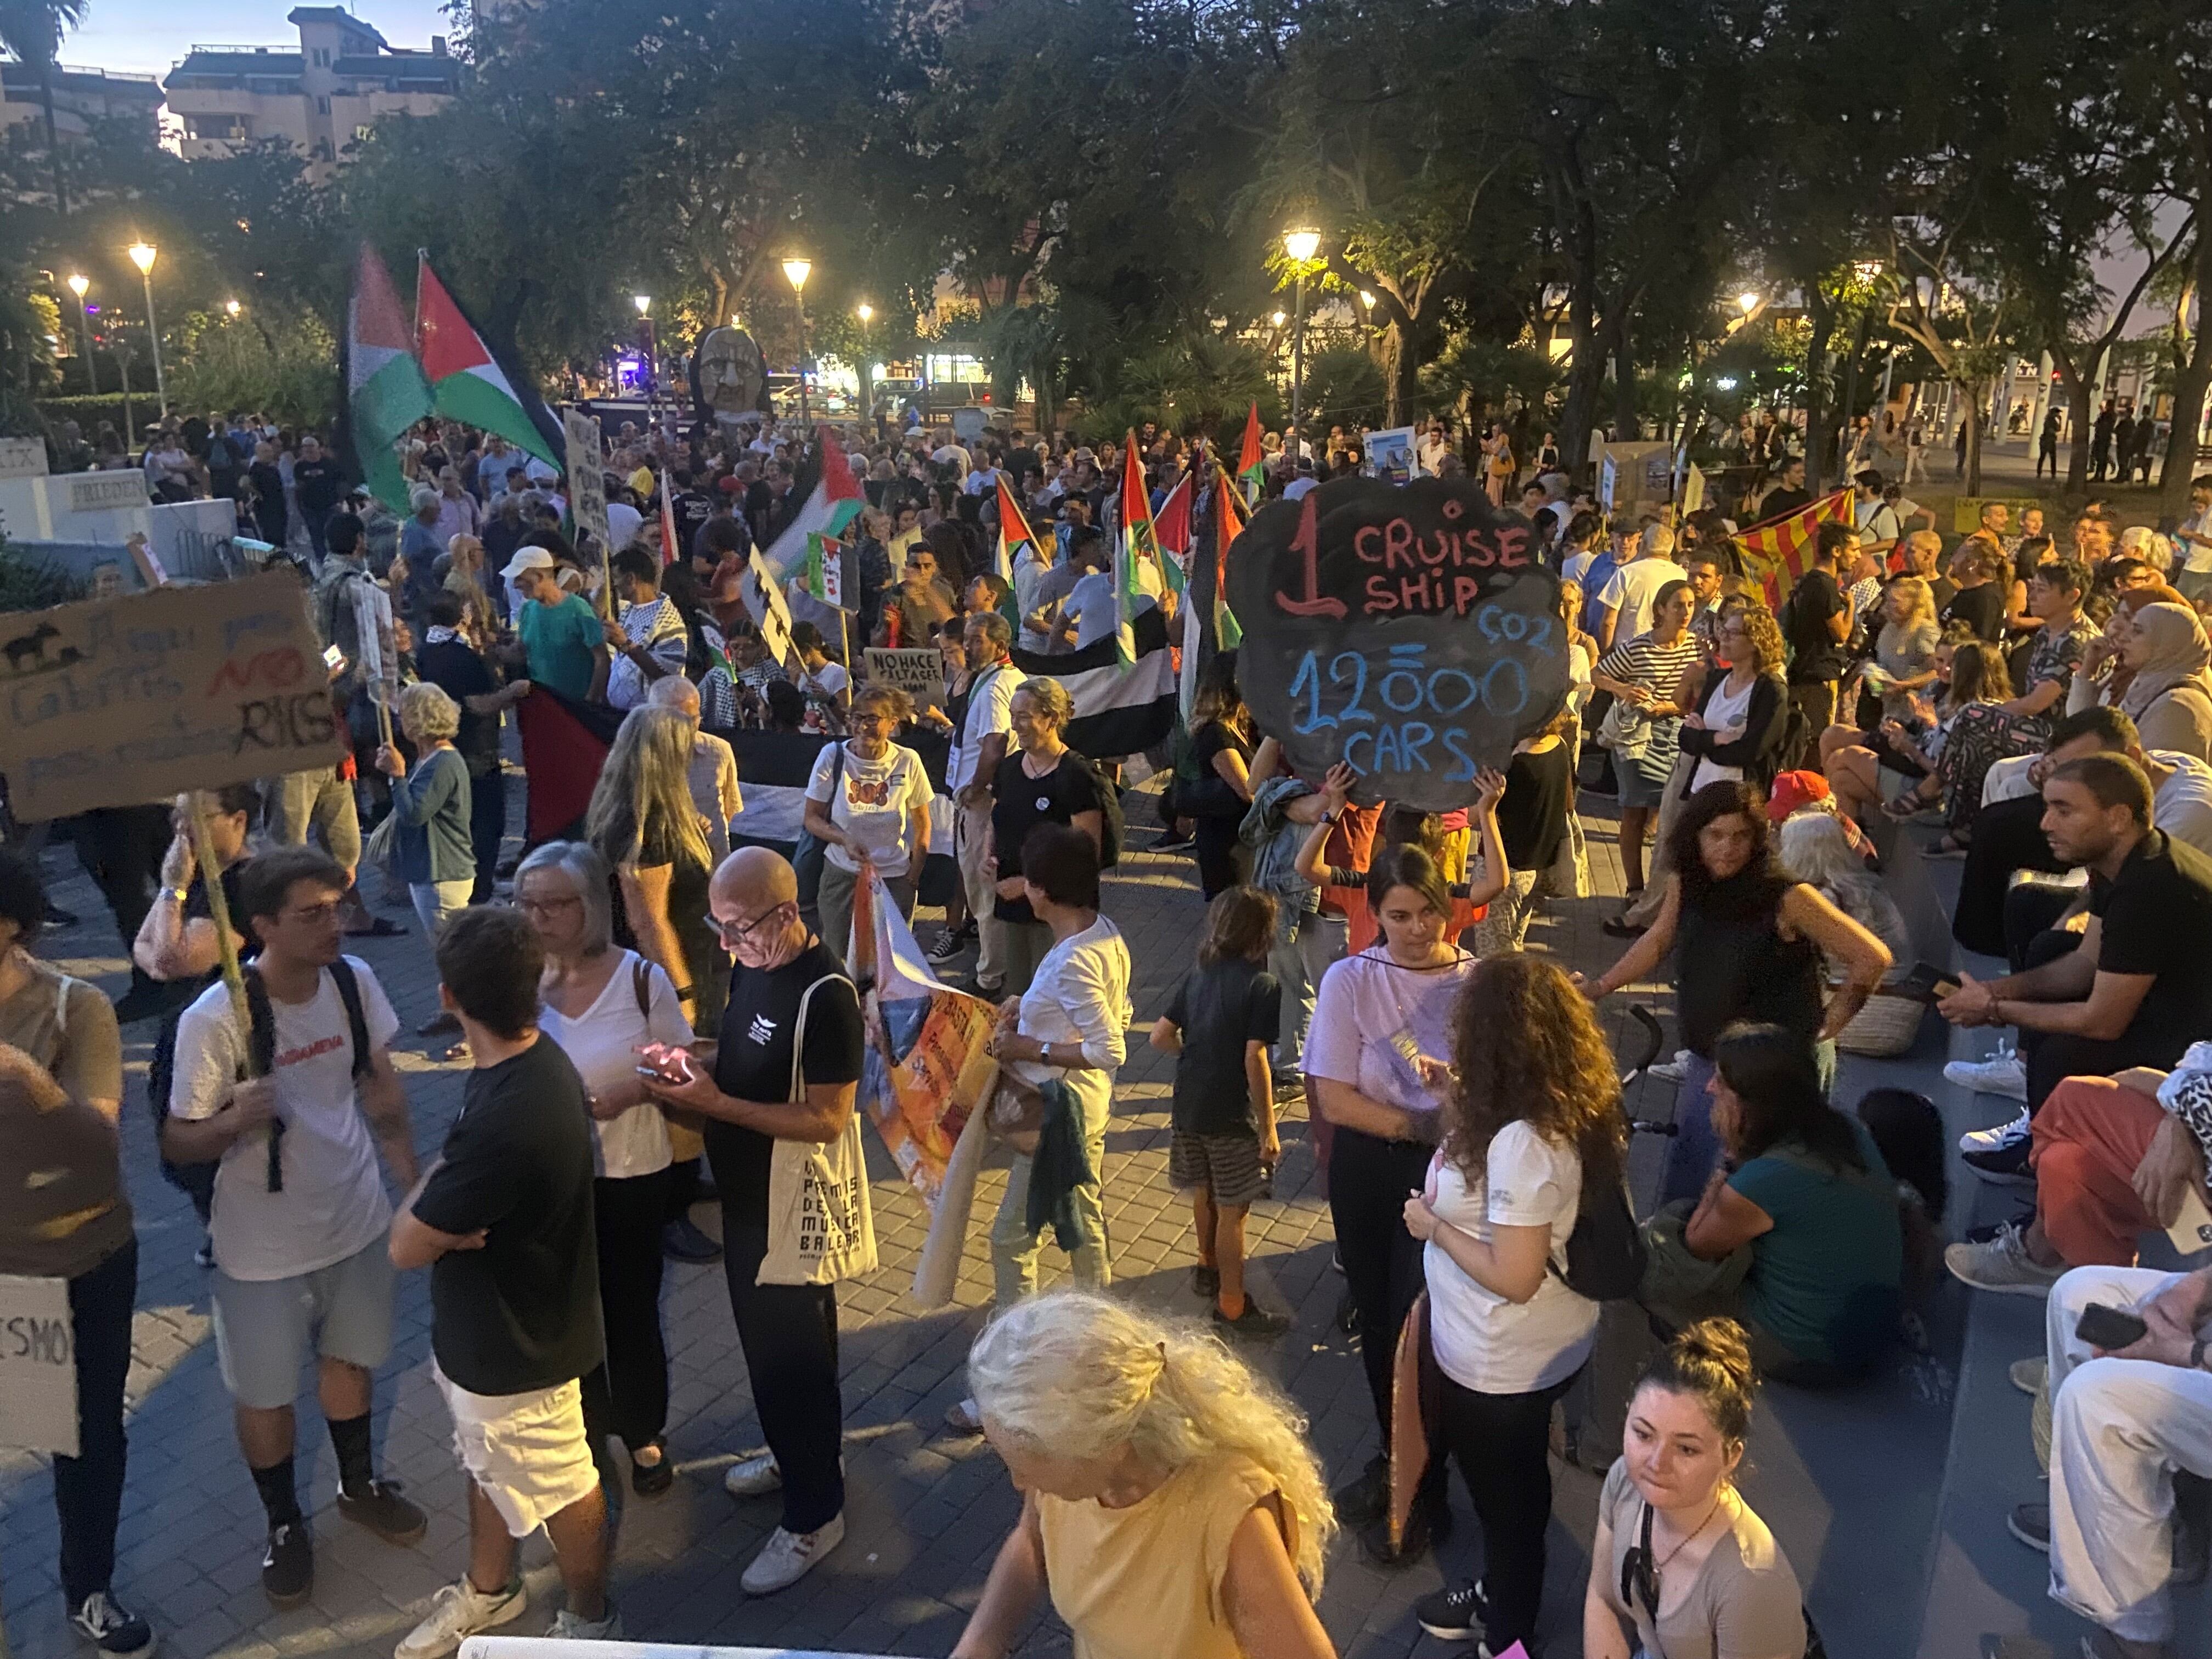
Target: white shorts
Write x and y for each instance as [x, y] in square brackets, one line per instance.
[528, 1451]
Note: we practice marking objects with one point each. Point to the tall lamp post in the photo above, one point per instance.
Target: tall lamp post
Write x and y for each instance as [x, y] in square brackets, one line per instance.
[645, 344]
[866, 313]
[78, 284]
[796, 272]
[1301, 246]
[143, 255]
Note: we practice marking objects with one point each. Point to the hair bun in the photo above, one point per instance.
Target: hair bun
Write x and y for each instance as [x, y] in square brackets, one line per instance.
[1720, 1343]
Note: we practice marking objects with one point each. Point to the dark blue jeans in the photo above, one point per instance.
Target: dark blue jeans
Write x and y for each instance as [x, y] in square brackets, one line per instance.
[88, 1487]
[486, 828]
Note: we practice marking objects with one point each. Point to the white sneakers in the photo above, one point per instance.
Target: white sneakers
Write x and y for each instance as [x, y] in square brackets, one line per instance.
[567, 1627]
[457, 1612]
[753, 1477]
[1998, 1137]
[789, 1556]
[2001, 1073]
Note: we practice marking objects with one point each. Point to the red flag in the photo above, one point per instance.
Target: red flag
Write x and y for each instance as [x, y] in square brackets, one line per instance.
[1171, 524]
[1775, 554]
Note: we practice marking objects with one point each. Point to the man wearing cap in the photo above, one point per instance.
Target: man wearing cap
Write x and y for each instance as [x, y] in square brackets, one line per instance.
[564, 645]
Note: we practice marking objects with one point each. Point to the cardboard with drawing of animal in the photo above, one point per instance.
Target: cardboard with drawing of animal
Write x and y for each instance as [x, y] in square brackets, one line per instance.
[114, 702]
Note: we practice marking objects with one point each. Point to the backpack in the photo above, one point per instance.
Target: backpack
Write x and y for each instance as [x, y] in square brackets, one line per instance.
[1111, 821]
[1605, 1252]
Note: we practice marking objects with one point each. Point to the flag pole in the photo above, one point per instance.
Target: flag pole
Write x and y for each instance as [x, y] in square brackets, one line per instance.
[226, 944]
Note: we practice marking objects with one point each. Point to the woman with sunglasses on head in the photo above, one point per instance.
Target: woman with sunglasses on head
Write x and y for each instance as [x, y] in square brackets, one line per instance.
[1681, 1566]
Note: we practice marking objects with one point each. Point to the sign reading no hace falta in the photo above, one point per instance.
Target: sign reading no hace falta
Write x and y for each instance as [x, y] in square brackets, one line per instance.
[116, 702]
[1410, 630]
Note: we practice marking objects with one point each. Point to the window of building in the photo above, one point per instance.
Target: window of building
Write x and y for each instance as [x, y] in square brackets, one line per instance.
[322, 104]
[322, 56]
[361, 135]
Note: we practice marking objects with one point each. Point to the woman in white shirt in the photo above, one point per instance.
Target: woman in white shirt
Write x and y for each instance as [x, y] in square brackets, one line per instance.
[868, 802]
[1067, 1028]
[1535, 1101]
[601, 1003]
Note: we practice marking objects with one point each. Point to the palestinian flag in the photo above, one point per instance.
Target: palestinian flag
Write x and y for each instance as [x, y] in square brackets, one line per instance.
[1172, 529]
[1119, 709]
[466, 384]
[1251, 460]
[385, 390]
[823, 572]
[1137, 542]
[1777, 553]
[1014, 531]
[1228, 525]
[828, 501]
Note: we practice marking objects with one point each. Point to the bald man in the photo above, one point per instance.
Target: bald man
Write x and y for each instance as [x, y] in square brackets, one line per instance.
[789, 993]
[714, 775]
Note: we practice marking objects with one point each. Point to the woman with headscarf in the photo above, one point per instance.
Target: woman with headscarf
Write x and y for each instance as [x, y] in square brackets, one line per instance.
[2159, 677]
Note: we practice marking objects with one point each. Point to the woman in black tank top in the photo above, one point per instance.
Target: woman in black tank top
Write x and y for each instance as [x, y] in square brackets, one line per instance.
[1751, 942]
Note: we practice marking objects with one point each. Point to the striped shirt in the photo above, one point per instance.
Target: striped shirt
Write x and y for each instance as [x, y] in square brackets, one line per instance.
[1659, 669]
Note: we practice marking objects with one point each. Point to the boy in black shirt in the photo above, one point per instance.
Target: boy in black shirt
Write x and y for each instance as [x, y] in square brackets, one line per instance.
[785, 1069]
[1816, 620]
[503, 1221]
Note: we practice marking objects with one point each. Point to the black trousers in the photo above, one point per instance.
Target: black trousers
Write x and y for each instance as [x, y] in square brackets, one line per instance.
[121, 848]
[1501, 1443]
[2051, 1057]
[628, 1395]
[487, 828]
[789, 1335]
[1216, 847]
[1368, 1181]
[2032, 909]
[2007, 837]
[88, 1487]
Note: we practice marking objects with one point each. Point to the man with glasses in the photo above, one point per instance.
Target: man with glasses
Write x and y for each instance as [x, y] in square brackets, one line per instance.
[299, 1213]
[792, 1017]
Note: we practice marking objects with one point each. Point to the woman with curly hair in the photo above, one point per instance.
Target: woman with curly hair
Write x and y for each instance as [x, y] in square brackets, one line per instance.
[1532, 1117]
[1169, 1502]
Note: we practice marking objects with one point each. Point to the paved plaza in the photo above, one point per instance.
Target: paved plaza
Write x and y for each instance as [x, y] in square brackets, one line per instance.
[1889, 1498]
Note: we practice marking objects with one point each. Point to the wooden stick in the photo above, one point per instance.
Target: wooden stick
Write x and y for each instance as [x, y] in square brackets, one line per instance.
[233, 977]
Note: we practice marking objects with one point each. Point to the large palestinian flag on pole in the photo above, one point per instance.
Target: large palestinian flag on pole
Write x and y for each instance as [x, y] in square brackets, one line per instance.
[1228, 525]
[1251, 460]
[829, 500]
[385, 389]
[467, 382]
[1136, 542]
[1120, 709]
[1014, 531]
[1777, 553]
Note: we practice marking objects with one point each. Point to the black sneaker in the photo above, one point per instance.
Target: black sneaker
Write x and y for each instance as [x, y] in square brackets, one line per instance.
[287, 1570]
[1347, 1315]
[113, 1628]
[1454, 1614]
[379, 1507]
[652, 1480]
[681, 1240]
[949, 944]
[1171, 843]
[2008, 1164]
[1205, 1280]
[1366, 1498]
[2031, 1524]
[1255, 1324]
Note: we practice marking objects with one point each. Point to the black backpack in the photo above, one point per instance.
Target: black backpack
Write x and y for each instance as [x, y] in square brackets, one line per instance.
[1605, 1252]
[1111, 821]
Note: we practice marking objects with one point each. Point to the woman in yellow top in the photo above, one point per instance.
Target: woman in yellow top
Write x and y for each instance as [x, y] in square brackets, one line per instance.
[1171, 1504]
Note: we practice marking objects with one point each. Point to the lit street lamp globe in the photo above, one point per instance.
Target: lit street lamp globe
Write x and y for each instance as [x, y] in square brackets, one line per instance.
[1302, 245]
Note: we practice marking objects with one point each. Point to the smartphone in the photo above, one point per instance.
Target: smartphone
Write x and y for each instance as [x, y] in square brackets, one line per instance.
[2108, 1328]
[659, 1063]
[1926, 984]
[333, 658]
[2192, 1228]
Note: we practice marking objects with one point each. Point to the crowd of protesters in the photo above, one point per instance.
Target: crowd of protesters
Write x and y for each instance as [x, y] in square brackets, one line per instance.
[656, 1003]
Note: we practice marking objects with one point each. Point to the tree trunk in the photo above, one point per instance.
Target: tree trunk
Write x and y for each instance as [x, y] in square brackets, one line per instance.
[2192, 375]
[1973, 415]
[1400, 370]
[1822, 315]
[1625, 426]
[2077, 418]
[1584, 375]
[53, 136]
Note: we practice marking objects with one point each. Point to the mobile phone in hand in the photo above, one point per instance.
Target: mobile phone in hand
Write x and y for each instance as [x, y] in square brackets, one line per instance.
[2109, 1328]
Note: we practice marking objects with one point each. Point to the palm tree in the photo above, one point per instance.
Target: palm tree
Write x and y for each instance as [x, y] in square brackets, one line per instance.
[30, 32]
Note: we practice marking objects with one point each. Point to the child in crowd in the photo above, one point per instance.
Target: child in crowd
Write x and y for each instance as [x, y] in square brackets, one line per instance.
[1220, 1024]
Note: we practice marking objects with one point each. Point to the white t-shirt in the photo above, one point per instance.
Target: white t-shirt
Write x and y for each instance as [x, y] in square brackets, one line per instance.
[828, 680]
[2198, 559]
[1080, 996]
[951, 455]
[875, 806]
[1372, 1018]
[2182, 807]
[333, 1205]
[1575, 563]
[1723, 711]
[1483, 1341]
[1091, 603]
[990, 708]
[622, 522]
[1631, 590]
[600, 1043]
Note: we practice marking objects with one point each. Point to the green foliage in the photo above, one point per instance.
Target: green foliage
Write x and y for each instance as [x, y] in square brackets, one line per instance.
[1344, 386]
[31, 584]
[287, 368]
[1471, 375]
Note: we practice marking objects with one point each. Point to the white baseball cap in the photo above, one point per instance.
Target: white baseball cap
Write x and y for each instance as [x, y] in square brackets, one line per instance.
[527, 558]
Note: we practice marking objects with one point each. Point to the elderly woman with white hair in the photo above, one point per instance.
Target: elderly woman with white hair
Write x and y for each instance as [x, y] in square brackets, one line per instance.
[431, 804]
[601, 1003]
[1815, 850]
[1169, 1502]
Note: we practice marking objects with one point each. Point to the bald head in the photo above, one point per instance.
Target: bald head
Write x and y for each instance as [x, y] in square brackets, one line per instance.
[674, 691]
[754, 878]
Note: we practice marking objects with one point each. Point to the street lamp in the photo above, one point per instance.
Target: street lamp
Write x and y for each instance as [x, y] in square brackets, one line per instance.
[642, 301]
[1302, 246]
[143, 255]
[232, 307]
[1279, 319]
[1747, 302]
[864, 311]
[78, 284]
[796, 272]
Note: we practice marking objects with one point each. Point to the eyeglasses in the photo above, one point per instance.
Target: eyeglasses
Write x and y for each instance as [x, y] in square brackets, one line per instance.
[546, 905]
[734, 933]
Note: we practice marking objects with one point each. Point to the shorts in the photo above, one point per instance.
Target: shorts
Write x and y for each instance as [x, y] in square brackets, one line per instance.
[262, 1326]
[1636, 789]
[1227, 1166]
[527, 1452]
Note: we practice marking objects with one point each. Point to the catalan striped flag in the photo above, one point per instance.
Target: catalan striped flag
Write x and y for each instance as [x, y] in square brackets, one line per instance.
[1777, 553]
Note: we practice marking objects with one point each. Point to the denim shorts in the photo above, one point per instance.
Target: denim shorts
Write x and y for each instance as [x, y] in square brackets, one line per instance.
[262, 1327]
[1636, 789]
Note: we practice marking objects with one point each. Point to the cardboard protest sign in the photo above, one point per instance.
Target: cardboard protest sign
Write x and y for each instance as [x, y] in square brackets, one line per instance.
[37, 1366]
[919, 673]
[1410, 630]
[112, 702]
[1392, 454]
[587, 477]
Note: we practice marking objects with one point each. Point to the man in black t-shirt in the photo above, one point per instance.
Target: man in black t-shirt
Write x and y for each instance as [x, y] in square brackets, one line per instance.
[503, 1221]
[1790, 495]
[2138, 989]
[1816, 620]
[789, 996]
[315, 482]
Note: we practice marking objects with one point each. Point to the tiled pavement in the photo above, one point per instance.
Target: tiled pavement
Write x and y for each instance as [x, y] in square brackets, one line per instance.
[927, 1510]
